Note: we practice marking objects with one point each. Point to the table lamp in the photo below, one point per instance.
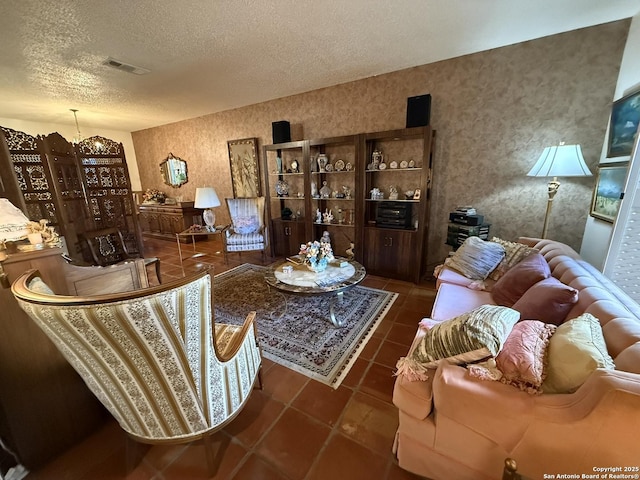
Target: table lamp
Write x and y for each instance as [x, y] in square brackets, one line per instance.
[558, 161]
[207, 198]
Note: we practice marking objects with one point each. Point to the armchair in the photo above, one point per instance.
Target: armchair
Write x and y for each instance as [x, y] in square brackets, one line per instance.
[154, 357]
[107, 246]
[248, 231]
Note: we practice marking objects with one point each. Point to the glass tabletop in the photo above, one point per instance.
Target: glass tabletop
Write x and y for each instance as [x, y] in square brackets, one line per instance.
[340, 275]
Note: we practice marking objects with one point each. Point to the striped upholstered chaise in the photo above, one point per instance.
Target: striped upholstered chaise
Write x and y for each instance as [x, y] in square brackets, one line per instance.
[154, 357]
[247, 231]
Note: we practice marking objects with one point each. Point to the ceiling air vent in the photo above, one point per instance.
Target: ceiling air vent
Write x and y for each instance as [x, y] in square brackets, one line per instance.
[125, 67]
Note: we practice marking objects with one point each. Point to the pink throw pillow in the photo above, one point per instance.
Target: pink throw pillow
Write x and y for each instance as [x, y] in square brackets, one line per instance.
[517, 280]
[548, 301]
[522, 358]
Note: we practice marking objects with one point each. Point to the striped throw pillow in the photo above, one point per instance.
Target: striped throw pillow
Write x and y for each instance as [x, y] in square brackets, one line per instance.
[467, 338]
[475, 258]
[514, 253]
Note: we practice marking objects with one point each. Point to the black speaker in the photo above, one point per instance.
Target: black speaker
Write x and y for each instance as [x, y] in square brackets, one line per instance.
[418, 111]
[281, 131]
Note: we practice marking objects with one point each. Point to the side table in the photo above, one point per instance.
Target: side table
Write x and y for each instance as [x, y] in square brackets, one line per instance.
[189, 232]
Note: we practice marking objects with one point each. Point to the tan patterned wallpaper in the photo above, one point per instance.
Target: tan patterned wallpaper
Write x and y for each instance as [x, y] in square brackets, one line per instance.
[494, 113]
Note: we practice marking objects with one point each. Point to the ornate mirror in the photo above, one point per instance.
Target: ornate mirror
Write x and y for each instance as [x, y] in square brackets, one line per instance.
[174, 171]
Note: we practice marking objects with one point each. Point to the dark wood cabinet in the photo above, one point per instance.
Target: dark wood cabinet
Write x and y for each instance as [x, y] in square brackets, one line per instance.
[45, 407]
[402, 159]
[287, 235]
[390, 253]
[164, 221]
[398, 164]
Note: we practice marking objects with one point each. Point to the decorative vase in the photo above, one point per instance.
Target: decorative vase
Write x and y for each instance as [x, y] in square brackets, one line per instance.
[322, 161]
[319, 265]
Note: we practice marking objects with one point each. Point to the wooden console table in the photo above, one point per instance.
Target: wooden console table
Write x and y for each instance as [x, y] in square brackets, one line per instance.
[165, 221]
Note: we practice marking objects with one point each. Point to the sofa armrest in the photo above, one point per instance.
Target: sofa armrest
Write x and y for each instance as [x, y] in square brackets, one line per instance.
[591, 399]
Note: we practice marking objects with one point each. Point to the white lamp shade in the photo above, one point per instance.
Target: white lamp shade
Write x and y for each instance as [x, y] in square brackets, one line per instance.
[560, 161]
[206, 197]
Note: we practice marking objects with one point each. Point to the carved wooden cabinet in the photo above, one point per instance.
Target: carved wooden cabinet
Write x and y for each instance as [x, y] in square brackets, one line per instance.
[45, 407]
[164, 221]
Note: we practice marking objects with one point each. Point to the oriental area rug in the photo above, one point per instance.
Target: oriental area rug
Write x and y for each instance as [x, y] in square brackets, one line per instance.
[294, 330]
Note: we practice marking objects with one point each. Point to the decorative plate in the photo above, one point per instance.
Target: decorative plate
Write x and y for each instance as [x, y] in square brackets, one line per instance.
[339, 165]
[412, 164]
[328, 168]
[348, 167]
[393, 164]
[282, 188]
[382, 166]
[404, 164]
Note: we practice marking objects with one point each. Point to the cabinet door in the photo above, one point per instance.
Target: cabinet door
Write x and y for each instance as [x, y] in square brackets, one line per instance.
[390, 253]
[287, 237]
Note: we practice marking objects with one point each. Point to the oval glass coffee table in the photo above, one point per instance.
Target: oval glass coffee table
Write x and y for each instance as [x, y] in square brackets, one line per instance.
[340, 276]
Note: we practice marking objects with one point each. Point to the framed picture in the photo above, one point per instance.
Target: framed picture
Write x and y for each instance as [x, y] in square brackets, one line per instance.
[608, 190]
[623, 126]
[245, 172]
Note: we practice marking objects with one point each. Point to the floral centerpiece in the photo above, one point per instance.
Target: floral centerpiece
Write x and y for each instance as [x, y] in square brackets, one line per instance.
[316, 255]
[153, 196]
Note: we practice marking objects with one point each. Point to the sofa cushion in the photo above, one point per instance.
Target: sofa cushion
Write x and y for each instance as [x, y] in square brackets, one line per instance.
[514, 283]
[469, 337]
[514, 253]
[476, 258]
[522, 358]
[548, 300]
[465, 300]
[575, 350]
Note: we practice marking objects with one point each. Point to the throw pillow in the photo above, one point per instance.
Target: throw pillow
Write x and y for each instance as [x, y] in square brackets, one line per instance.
[469, 337]
[246, 225]
[37, 285]
[476, 258]
[519, 279]
[514, 253]
[549, 300]
[522, 359]
[576, 349]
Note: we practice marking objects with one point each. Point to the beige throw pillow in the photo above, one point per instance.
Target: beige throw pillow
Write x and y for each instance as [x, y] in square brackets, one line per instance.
[575, 350]
[514, 253]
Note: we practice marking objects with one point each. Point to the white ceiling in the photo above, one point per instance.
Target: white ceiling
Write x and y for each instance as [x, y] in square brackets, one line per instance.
[207, 56]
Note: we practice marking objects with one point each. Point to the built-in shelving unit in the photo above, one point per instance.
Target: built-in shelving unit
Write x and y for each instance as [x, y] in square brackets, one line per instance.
[301, 191]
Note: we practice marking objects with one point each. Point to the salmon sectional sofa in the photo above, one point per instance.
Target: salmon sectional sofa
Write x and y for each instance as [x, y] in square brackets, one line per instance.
[456, 424]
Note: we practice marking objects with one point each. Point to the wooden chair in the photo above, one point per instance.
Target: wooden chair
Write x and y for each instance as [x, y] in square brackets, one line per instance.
[154, 357]
[247, 232]
[92, 280]
[107, 246]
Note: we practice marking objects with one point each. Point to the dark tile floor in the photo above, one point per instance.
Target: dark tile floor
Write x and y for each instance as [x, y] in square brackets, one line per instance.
[295, 428]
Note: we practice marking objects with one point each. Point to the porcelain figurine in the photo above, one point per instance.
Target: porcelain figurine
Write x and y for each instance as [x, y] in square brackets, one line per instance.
[318, 216]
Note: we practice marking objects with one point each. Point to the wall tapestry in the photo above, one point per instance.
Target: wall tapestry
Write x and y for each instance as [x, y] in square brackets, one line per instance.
[245, 172]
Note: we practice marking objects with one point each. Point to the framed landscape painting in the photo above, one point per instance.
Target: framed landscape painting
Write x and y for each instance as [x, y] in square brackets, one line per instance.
[608, 190]
[245, 172]
[623, 126]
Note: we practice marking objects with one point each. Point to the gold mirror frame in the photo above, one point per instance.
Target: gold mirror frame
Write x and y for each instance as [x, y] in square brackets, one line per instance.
[174, 171]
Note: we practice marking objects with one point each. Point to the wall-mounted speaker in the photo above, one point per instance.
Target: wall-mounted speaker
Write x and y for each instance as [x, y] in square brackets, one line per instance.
[281, 131]
[418, 111]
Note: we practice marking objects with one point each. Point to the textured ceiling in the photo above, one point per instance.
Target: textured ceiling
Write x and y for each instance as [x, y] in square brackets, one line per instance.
[207, 56]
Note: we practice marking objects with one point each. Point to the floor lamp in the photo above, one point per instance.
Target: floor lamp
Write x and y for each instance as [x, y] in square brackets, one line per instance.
[207, 198]
[558, 161]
